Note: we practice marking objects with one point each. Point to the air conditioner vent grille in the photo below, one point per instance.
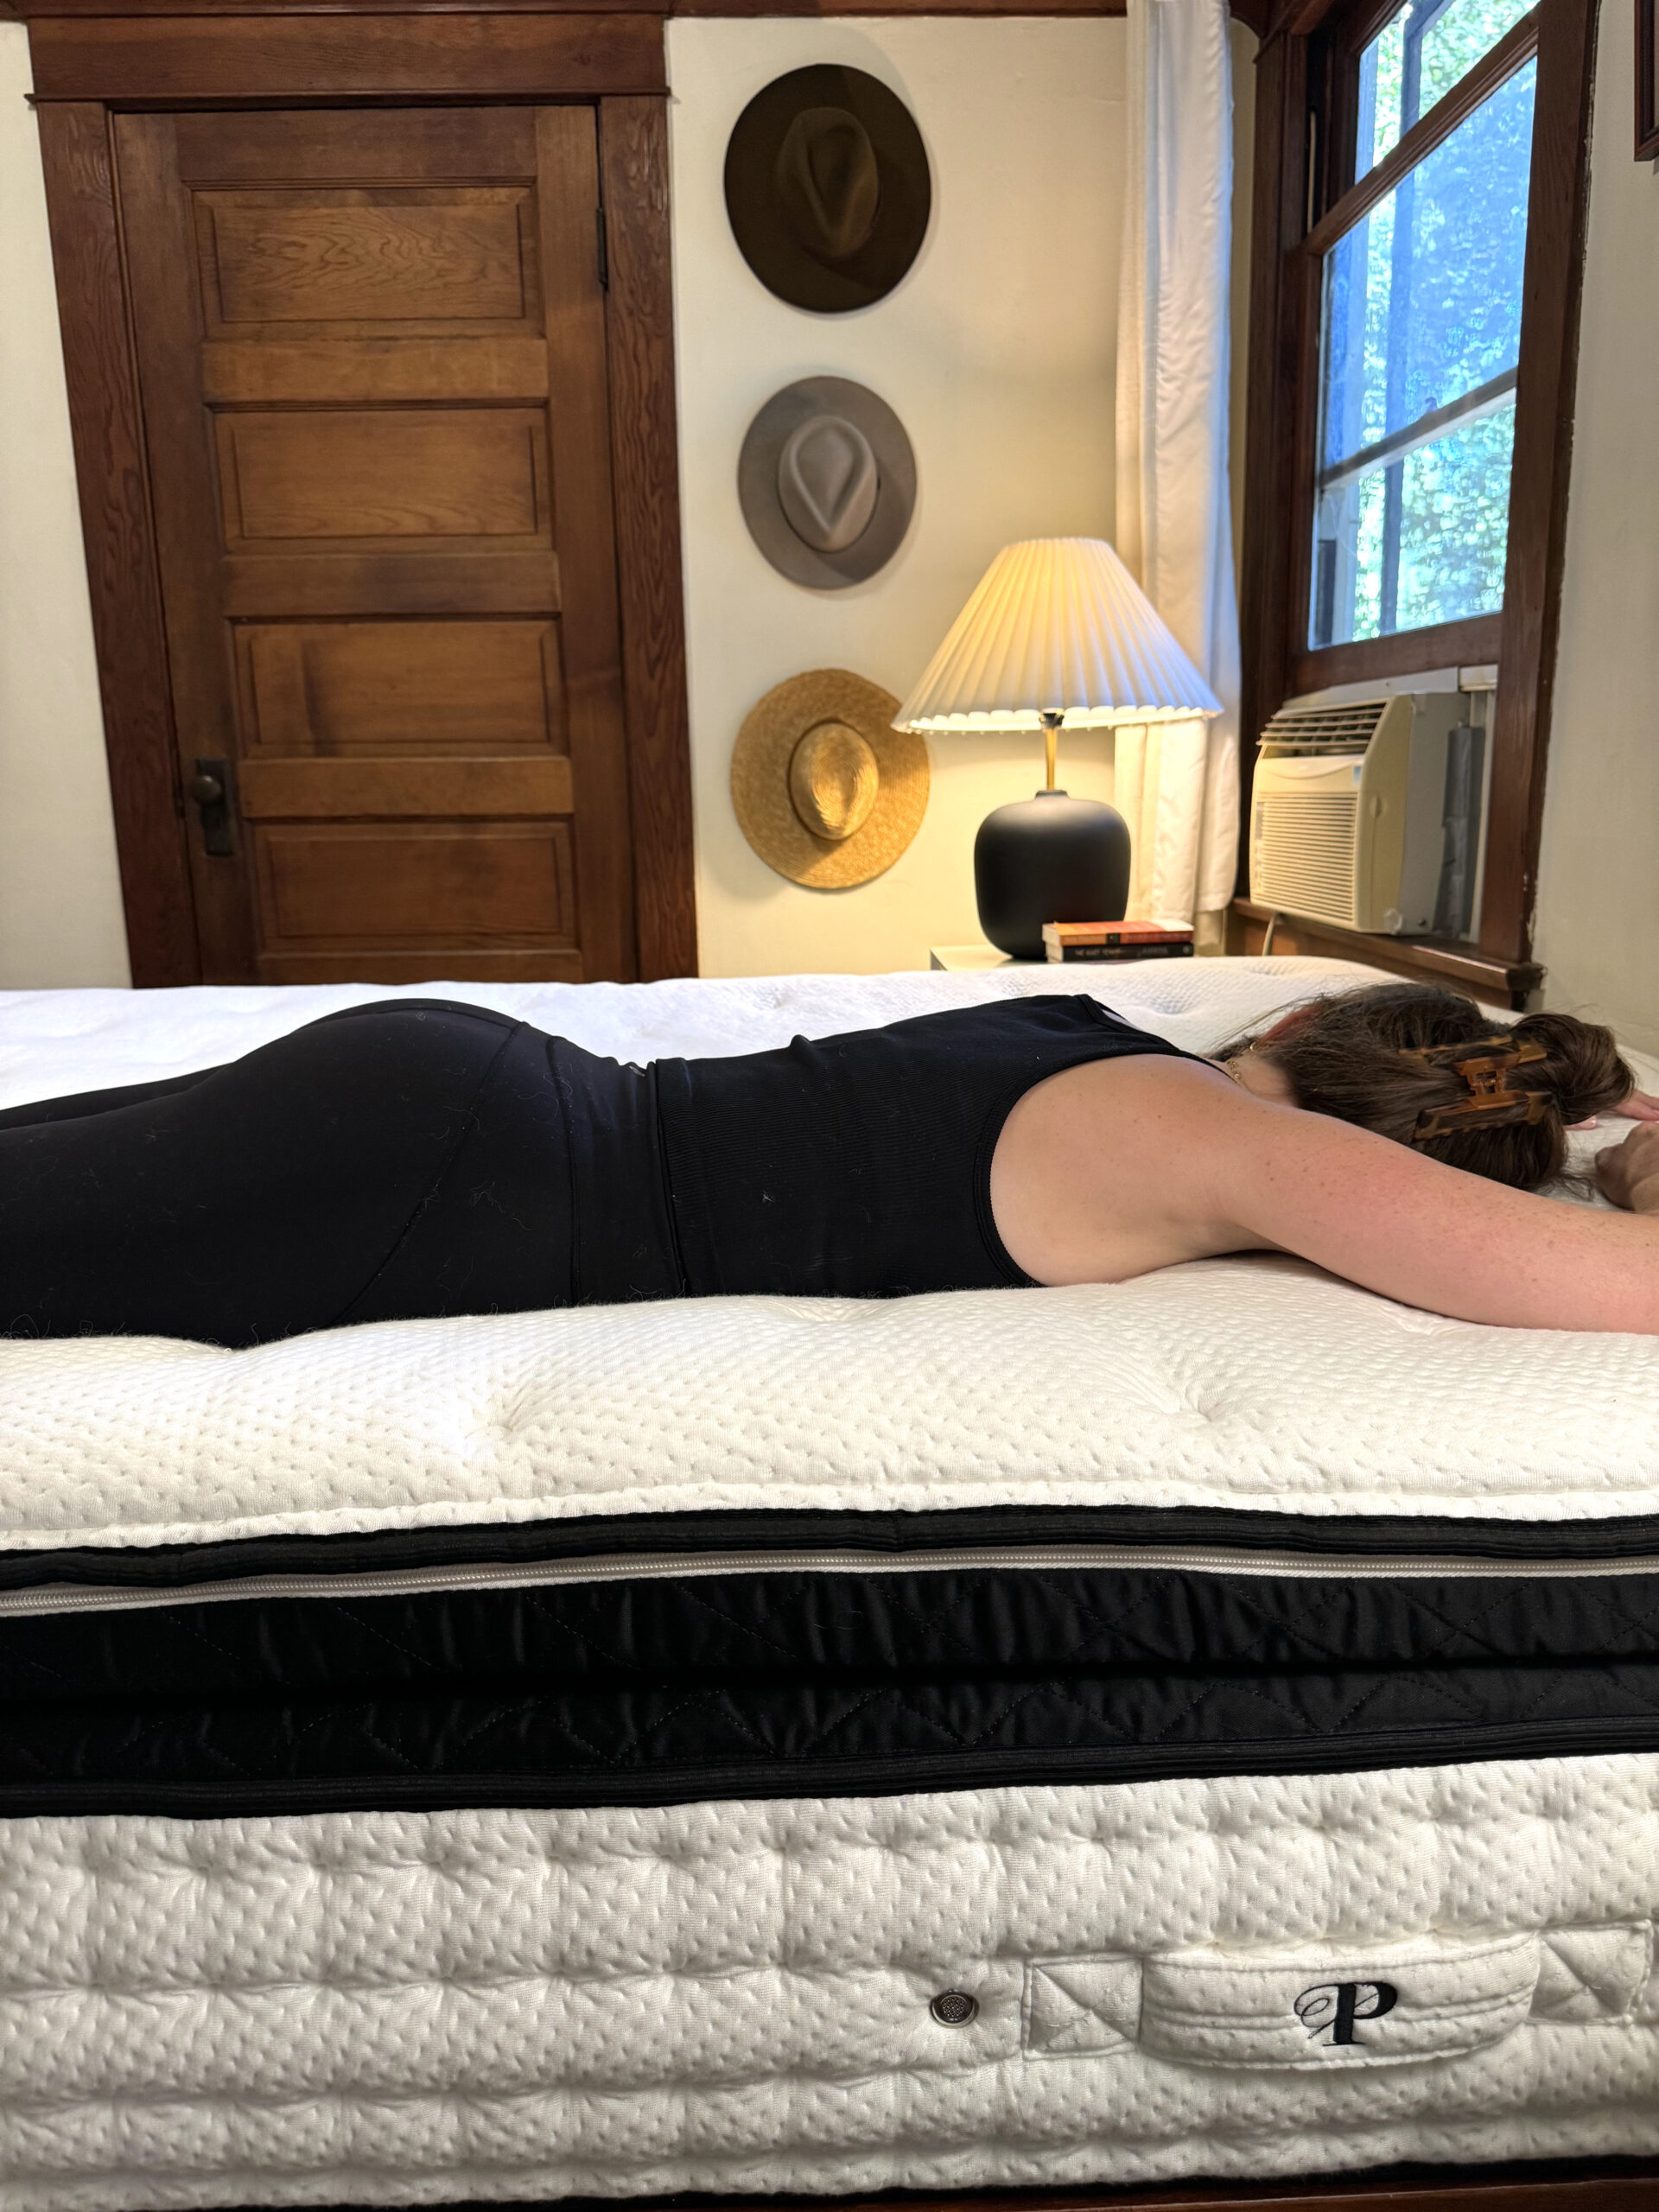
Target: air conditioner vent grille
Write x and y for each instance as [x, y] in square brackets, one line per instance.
[1318, 729]
[1302, 853]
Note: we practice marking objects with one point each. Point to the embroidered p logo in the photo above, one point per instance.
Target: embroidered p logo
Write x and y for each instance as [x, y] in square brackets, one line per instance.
[1337, 2006]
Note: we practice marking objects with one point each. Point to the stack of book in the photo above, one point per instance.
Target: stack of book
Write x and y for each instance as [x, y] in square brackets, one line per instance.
[1117, 940]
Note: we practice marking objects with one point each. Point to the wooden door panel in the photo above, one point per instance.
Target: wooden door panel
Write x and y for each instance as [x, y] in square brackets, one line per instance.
[583, 530]
[373, 349]
[322, 790]
[359, 256]
[422, 583]
[382, 473]
[327, 886]
[383, 369]
[402, 688]
[300, 145]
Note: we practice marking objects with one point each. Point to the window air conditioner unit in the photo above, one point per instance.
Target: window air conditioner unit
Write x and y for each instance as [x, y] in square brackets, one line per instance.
[1371, 814]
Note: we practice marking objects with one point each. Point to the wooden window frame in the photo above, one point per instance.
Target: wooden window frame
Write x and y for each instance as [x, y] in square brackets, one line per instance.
[1305, 197]
[1647, 80]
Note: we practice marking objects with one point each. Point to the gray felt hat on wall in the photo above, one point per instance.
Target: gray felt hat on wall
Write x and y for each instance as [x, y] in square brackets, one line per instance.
[827, 480]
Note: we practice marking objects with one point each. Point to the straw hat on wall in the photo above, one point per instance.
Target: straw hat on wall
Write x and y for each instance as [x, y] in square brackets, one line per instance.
[824, 788]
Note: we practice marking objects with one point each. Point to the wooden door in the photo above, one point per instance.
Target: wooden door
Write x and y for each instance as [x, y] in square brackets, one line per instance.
[371, 357]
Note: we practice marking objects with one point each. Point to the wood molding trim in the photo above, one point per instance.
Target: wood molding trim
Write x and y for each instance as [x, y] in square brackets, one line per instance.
[831, 8]
[126, 10]
[1508, 983]
[119, 529]
[1447, 645]
[1545, 393]
[1275, 349]
[645, 468]
[279, 59]
[1253, 13]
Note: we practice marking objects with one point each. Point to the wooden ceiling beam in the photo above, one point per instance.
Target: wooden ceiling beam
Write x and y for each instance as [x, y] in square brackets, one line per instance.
[1253, 13]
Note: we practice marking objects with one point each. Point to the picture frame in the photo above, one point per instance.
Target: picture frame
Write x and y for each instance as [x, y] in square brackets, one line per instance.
[1647, 81]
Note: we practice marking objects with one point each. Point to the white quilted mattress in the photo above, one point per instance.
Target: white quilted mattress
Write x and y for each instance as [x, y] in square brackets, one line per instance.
[1238, 1974]
[1230, 1383]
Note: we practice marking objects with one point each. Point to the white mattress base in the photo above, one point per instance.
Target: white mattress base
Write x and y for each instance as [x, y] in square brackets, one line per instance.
[394, 2008]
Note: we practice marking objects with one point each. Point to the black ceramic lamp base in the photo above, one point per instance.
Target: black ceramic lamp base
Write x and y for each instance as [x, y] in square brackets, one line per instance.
[1049, 859]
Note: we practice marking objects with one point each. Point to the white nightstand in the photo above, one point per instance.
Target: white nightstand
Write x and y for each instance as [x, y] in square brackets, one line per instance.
[974, 959]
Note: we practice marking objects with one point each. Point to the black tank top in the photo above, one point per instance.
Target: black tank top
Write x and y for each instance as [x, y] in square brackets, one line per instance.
[422, 1158]
[860, 1167]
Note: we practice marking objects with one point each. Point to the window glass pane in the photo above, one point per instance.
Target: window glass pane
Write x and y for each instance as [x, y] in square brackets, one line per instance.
[1419, 338]
[1414, 61]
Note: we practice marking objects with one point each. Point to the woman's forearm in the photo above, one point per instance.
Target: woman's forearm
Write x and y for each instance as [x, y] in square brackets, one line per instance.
[1431, 1235]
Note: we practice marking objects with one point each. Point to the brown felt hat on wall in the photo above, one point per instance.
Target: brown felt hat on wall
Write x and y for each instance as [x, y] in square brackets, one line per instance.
[827, 188]
[824, 788]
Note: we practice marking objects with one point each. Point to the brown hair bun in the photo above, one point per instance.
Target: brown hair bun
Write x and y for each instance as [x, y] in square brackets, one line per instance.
[1345, 1056]
[1580, 1068]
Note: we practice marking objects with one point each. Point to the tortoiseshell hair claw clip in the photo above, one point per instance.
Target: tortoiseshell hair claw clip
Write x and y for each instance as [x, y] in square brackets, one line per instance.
[1484, 1063]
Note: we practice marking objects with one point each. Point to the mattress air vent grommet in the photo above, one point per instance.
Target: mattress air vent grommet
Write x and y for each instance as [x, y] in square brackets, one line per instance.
[955, 2008]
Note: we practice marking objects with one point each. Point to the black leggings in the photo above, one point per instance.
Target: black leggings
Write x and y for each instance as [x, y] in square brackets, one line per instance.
[400, 1158]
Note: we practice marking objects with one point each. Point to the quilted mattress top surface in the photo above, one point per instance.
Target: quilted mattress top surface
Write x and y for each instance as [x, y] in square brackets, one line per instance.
[1256, 1383]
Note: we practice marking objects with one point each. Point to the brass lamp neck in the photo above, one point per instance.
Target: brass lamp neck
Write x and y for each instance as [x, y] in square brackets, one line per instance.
[1051, 720]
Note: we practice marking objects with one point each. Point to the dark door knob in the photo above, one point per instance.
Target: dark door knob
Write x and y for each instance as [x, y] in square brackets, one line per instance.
[210, 788]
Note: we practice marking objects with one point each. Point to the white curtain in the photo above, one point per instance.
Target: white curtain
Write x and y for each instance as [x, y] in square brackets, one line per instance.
[1176, 783]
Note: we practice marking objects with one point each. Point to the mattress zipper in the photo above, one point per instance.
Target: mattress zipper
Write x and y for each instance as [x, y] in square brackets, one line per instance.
[678, 1566]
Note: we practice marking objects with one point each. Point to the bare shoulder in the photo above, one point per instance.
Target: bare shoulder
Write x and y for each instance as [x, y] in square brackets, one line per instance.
[1102, 1170]
[1125, 1164]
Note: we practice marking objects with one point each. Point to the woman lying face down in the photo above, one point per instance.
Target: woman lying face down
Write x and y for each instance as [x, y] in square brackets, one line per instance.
[1375, 1126]
[419, 1158]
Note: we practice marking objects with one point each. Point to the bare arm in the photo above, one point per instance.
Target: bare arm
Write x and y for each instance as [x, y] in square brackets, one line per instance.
[1427, 1235]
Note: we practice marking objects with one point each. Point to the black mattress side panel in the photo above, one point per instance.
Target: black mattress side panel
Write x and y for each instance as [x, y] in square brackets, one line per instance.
[755, 1684]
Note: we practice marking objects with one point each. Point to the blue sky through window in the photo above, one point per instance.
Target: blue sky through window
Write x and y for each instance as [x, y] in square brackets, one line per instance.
[1415, 59]
[1420, 342]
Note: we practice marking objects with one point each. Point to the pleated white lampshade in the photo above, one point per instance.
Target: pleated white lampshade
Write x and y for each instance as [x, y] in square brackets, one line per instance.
[1057, 626]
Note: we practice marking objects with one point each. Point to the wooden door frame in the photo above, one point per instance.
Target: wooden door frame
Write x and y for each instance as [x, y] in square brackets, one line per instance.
[88, 69]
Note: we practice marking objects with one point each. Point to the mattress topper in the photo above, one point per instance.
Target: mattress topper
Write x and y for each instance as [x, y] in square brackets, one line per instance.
[1254, 1389]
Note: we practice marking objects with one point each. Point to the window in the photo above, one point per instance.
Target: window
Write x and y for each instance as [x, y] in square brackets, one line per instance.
[1420, 290]
[1421, 184]
[1420, 339]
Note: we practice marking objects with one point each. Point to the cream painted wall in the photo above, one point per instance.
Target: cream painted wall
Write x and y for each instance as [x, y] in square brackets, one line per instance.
[997, 352]
[1598, 921]
[61, 917]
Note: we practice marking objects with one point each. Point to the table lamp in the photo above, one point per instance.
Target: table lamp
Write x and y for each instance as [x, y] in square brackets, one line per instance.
[1057, 634]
